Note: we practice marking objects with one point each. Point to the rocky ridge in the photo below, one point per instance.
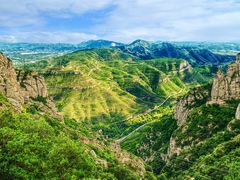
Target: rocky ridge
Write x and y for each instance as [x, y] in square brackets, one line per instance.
[195, 97]
[24, 88]
[195, 56]
[223, 88]
[227, 87]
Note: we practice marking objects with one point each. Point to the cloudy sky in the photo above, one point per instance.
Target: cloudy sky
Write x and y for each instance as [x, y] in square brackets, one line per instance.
[74, 21]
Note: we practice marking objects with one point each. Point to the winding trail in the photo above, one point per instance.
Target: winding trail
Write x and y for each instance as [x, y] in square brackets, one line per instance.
[123, 138]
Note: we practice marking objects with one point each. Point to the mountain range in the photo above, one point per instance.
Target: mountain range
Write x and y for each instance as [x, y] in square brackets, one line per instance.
[195, 53]
[195, 56]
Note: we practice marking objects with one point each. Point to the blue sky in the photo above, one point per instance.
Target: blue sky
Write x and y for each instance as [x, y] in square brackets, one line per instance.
[74, 21]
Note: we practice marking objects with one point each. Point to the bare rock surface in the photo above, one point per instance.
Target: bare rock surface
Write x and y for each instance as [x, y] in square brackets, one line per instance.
[227, 87]
[23, 88]
[195, 97]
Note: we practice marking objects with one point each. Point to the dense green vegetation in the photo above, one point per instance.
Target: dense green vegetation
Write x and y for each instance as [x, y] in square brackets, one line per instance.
[132, 101]
[105, 85]
[41, 147]
[209, 141]
[151, 141]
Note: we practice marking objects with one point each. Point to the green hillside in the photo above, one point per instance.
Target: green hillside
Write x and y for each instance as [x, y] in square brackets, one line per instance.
[106, 85]
[210, 151]
[209, 142]
[110, 100]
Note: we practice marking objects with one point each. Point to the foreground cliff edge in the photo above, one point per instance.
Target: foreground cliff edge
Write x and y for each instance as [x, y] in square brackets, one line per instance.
[36, 142]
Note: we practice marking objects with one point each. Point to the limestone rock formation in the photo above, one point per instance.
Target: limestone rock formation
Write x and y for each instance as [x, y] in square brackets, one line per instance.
[32, 85]
[195, 97]
[227, 87]
[8, 82]
[24, 88]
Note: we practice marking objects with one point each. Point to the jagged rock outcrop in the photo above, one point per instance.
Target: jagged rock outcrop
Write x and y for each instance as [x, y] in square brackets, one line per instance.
[32, 85]
[227, 87]
[237, 116]
[9, 85]
[195, 97]
[223, 88]
[24, 88]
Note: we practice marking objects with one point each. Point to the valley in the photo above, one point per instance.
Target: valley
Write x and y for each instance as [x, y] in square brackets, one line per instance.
[102, 86]
[150, 110]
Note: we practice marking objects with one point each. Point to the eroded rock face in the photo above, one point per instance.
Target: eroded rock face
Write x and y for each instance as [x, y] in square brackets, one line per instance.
[172, 149]
[24, 88]
[227, 87]
[195, 97]
[32, 85]
[9, 85]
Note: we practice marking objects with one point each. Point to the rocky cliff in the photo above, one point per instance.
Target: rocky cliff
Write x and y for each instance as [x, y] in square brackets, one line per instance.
[194, 98]
[227, 87]
[9, 85]
[32, 85]
[224, 87]
[24, 88]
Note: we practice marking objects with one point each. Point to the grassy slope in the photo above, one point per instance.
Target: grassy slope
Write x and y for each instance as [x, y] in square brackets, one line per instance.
[107, 86]
[92, 83]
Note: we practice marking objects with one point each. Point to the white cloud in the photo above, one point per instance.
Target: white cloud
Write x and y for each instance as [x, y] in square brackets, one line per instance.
[216, 20]
[174, 20]
[8, 38]
[48, 37]
[15, 13]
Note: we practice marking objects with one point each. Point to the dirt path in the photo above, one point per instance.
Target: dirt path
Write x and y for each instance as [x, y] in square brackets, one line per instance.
[149, 111]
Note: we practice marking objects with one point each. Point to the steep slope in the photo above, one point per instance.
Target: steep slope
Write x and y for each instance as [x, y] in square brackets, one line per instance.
[36, 144]
[208, 136]
[194, 55]
[200, 139]
[227, 87]
[23, 88]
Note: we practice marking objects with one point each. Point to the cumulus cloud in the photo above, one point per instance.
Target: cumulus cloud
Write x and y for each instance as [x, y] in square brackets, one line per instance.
[174, 20]
[202, 20]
